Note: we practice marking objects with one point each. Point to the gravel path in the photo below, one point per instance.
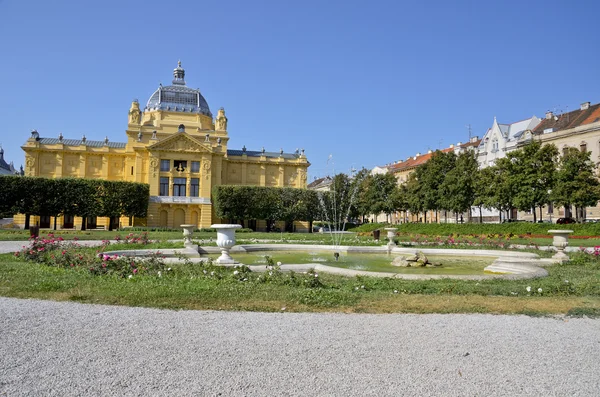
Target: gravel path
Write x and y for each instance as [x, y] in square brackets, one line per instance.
[68, 349]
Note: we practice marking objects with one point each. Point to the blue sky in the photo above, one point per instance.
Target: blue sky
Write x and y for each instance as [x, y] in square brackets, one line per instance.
[368, 82]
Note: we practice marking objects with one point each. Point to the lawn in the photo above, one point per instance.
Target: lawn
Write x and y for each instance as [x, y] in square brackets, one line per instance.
[571, 288]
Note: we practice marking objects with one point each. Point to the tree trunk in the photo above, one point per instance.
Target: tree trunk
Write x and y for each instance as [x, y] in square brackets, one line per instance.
[534, 215]
[425, 216]
[27, 221]
[541, 215]
[84, 223]
[55, 222]
[481, 214]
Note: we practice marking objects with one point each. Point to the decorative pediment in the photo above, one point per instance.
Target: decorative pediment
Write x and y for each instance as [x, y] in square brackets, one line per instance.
[181, 142]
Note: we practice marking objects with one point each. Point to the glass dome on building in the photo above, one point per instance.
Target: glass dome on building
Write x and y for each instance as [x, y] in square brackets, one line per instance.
[178, 97]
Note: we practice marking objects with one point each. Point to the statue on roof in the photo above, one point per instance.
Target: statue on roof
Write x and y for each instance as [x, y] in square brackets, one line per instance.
[221, 121]
[134, 113]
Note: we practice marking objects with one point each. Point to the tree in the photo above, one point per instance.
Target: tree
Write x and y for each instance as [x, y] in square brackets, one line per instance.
[380, 193]
[576, 183]
[531, 174]
[457, 191]
[431, 176]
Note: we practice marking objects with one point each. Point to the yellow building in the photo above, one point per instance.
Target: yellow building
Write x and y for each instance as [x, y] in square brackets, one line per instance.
[176, 147]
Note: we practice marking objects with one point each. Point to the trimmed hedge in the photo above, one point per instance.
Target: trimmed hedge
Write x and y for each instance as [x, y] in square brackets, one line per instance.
[72, 196]
[517, 228]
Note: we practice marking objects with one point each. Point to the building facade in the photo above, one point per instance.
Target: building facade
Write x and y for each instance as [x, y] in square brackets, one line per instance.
[8, 168]
[176, 146]
[579, 129]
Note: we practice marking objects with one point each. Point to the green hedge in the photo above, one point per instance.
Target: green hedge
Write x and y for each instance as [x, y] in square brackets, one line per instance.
[517, 228]
[72, 196]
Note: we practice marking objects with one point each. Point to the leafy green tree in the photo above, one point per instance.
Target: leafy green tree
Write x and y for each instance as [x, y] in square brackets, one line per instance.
[457, 191]
[531, 174]
[576, 184]
[431, 177]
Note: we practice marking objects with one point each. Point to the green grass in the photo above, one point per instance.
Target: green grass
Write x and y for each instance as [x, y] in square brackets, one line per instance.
[572, 288]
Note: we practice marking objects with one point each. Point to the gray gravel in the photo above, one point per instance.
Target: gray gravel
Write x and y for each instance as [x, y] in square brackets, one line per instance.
[68, 349]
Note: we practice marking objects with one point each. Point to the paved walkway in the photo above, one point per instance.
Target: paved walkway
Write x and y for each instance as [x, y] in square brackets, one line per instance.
[68, 349]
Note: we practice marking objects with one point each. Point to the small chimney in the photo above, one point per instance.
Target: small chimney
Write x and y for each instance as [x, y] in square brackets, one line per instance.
[451, 146]
[459, 143]
[585, 106]
[429, 151]
[549, 115]
[474, 139]
[418, 154]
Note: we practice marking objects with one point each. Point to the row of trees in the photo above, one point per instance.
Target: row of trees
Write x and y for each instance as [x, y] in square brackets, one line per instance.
[72, 196]
[526, 179]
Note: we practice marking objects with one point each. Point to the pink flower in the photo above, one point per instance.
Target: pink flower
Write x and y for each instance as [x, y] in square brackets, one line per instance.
[135, 271]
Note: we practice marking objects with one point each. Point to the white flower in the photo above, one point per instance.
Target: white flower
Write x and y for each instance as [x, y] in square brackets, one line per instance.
[130, 276]
[362, 286]
[395, 291]
[270, 273]
[212, 273]
[204, 271]
[283, 309]
[270, 267]
[316, 275]
[540, 290]
[235, 273]
[356, 288]
[567, 281]
[528, 289]
[169, 269]
[159, 274]
[245, 279]
[278, 263]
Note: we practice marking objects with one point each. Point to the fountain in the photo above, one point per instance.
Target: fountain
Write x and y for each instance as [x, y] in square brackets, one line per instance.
[336, 206]
[225, 240]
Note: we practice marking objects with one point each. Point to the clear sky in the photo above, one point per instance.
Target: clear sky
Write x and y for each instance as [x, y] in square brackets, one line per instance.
[368, 82]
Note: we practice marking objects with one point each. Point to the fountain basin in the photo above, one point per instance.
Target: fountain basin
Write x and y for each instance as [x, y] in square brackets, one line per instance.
[500, 264]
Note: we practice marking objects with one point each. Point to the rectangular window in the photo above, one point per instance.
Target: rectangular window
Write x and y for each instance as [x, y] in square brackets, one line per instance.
[180, 165]
[195, 187]
[551, 208]
[179, 187]
[164, 186]
[195, 166]
[583, 147]
[165, 165]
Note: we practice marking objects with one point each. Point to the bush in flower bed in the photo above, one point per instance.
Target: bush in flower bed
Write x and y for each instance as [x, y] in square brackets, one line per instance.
[56, 252]
[132, 238]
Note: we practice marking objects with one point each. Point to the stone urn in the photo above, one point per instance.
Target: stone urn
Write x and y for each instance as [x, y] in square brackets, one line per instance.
[225, 240]
[560, 240]
[188, 230]
[391, 233]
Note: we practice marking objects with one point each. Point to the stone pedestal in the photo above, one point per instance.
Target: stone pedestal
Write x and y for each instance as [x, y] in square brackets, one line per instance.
[225, 240]
[391, 233]
[560, 240]
[188, 231]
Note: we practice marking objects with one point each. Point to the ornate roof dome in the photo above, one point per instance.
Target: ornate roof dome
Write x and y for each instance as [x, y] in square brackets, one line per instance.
[178, 97]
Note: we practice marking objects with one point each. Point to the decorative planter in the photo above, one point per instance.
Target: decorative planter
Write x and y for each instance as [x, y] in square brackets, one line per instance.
[560, 240]
[225, 240]
[188, 230]
[391, 233]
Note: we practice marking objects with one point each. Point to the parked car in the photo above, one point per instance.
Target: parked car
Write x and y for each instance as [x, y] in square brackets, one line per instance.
[565, 221]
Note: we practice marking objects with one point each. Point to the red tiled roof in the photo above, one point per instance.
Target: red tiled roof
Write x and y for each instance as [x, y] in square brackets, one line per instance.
[415, 161]
[570, 120]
